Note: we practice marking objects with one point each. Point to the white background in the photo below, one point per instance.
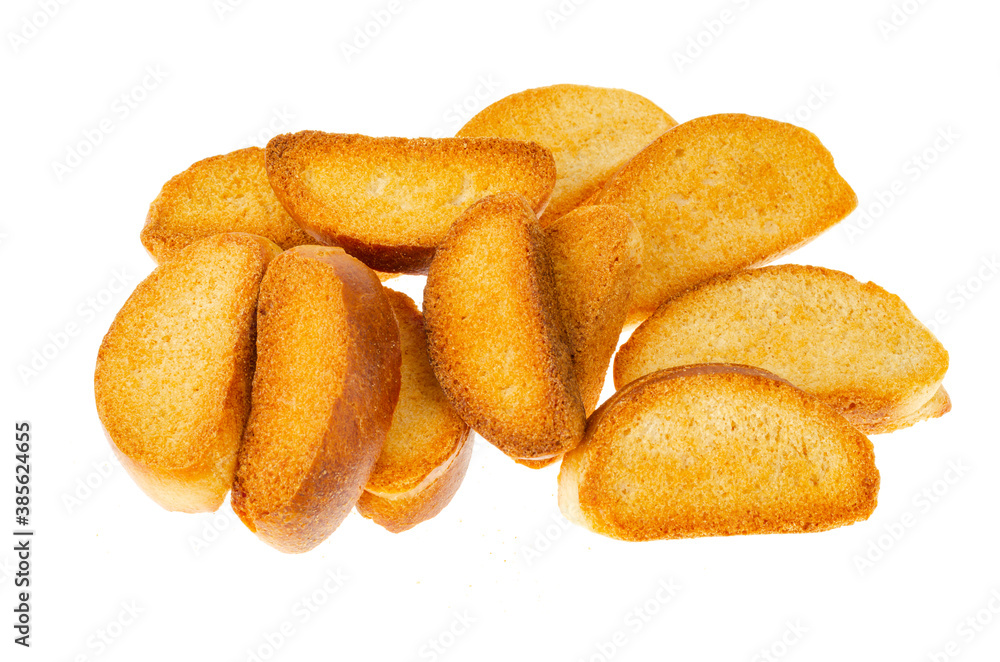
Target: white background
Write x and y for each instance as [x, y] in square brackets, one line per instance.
[499, 554]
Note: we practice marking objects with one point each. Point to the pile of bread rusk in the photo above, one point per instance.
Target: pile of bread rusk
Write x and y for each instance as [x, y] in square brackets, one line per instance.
[264, 355]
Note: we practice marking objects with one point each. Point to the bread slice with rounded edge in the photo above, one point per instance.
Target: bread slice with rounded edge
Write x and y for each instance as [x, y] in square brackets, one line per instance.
[327, 381]
[723, 193]
[495, 333]
[226, 193]
[172, 382]
[428, 449]
[596, 255]
[390, 201]
[851, 344]
[716, 450]
[591, 132]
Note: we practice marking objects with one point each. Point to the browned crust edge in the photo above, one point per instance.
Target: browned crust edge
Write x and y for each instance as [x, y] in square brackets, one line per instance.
[330, 490]
[572, 475]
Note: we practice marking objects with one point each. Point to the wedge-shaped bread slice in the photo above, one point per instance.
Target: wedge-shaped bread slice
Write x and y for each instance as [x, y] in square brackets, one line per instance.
[851, 344]
[390, 201]
[591, 132]
[495, 333]
[596, 255]
[227, 193]
[716, 450]
[428, 449]
[173, 374]
[327, 380]
[722, 193]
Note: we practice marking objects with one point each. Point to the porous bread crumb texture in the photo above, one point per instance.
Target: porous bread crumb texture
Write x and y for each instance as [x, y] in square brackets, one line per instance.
[722, 193]
[426, 430]
[400, 512]
[390, 201]
[495, 334]
[854, 345]
[327, 381]
[427, 450]
[714, 451]
[226, 193]
[596, 255]
[591, 132]
[172, 383]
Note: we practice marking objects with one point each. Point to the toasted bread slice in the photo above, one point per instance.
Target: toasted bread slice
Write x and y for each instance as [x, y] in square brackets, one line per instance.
[390, 201]
[591, 132]
[495, 333]
[428, 449]
[173, 374]
[596, 255]
[227, 193]
[853, 345]
[723, 193]
[327, 380]
[716, 450]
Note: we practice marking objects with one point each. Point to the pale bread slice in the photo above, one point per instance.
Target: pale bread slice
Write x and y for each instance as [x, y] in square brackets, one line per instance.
[172, 381]
[390, 201]
[327, 381]
[591, 132]
[428, 448]
[723, 193]
[495, 333]
[851, 344]
[596, 255]
[226, 193]
[716, 450]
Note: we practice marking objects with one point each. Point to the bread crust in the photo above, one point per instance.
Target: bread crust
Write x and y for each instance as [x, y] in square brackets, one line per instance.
[854, 345]
[174, 402]
[225, 193]
[591, 132]
[401, 512]
[724, 479]
[496, 338]
[596, 257]
[722, 193]
[317, 304]
[390, 201]
[428, 448]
